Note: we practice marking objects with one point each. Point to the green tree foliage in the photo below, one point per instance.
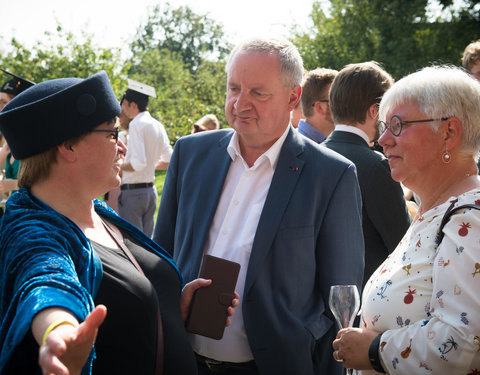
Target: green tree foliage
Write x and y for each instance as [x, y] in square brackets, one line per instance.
[61, 55]
[195, 37]
[402, 35]
[178, 52]
[182, 96]
[182, 55]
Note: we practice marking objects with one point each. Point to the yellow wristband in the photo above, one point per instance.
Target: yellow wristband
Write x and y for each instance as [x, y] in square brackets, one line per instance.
[54, 325]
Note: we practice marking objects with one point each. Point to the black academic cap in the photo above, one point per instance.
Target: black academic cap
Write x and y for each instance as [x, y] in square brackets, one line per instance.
[16, 85]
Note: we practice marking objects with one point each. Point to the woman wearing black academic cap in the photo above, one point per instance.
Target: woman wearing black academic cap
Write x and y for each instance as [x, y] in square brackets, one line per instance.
[63, 252]
[8, 164]
[11, 88]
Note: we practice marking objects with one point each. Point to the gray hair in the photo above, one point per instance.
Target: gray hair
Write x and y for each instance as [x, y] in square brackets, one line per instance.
[291, 63]
[440, 91]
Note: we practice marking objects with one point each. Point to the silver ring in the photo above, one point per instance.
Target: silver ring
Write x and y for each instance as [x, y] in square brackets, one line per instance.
[335, 356]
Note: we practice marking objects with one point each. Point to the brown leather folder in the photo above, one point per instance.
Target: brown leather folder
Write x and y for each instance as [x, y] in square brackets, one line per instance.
[208, 311]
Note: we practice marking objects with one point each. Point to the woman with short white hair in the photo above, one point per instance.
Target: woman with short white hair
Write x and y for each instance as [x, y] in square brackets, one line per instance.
[420, 307]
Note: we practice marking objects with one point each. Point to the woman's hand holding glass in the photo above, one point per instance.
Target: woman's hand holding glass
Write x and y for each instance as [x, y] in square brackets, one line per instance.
[344, 303]
[352, 344]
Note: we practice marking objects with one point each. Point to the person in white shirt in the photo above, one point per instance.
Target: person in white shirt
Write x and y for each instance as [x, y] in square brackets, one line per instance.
[284, 208]
[148, 147]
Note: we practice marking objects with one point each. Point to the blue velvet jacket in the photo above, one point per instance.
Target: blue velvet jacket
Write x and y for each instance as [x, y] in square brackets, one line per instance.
[46, 261]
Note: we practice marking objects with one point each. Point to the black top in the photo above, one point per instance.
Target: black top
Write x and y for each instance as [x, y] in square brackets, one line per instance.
[127, 340]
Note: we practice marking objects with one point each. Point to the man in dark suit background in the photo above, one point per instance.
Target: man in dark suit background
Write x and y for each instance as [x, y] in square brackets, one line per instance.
[354, 97]
[272, 200]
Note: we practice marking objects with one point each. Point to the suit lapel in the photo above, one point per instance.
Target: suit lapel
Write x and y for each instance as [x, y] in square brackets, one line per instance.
[287, 173]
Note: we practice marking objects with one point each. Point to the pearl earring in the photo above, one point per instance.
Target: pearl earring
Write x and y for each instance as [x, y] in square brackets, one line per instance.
[446, 157]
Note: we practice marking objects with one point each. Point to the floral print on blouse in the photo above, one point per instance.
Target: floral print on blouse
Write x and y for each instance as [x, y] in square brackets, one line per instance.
[426, 299]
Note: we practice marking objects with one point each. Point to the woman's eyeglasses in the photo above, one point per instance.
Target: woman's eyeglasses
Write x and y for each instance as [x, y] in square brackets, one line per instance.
[396, 124]
[320, 100]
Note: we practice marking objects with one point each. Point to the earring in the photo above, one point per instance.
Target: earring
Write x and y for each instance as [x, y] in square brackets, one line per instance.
[446, 157]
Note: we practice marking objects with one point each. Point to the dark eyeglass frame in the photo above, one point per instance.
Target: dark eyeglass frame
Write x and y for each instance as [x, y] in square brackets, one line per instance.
[114, 131]
[321, 101]
[383, 125]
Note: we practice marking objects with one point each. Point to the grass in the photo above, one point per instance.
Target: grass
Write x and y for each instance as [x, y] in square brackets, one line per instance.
[159, 181]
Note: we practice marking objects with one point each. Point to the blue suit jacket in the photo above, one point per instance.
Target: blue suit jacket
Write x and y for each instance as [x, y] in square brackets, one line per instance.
[308, 238]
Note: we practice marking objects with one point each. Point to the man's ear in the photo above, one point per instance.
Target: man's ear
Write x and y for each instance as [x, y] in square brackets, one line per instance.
[133, 105]
[66, 151]
[373, 111]
[322, 108]
[294, 97]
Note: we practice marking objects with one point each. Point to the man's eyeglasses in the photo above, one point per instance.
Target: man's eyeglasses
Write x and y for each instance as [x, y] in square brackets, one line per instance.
[320, 100]
[396, 124]
[113, 131]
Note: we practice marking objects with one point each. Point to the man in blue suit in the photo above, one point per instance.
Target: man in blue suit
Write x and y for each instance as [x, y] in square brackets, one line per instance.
[286, 209]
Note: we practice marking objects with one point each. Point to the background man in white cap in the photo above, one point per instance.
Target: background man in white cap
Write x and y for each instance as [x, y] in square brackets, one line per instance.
[147, 145]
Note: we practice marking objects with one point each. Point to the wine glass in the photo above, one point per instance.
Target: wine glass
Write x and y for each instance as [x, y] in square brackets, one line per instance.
[344, 302]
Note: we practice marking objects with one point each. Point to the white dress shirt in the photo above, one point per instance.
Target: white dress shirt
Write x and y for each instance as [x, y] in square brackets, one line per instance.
[147, 144]
[231, 237]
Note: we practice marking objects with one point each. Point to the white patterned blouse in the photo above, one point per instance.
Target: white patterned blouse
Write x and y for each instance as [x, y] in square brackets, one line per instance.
[426, 299]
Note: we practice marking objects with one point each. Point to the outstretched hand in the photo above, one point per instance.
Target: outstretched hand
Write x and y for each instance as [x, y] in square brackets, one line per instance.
[67, 348]
[187, 295]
